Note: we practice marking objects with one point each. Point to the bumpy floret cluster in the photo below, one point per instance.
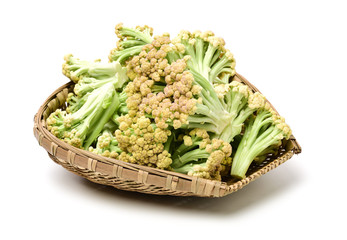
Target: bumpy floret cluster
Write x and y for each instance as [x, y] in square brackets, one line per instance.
[160, 94]
[200, 156]
[151, 71]
[142, 142]
[106, 145]
[151, 61]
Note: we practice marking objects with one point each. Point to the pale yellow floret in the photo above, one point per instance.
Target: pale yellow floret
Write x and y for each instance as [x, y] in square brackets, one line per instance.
[216, 42]
[241, 88]
[205, 35]
[219, 159]
[66, 69]
[201, 133]
[177, 124]
[256, 101]
[200, 172]
[143, 144]
[67, 57]
[187, 140]
[209, 148]
[197, 33]
[118, 27]
[154, 65]
[229, 55]
[179, 47]
[221, 89]
[164, 160]
[104, 140]
[192, 41]
[216, 143]
[144, 122]
[282, 125]
[185, 35]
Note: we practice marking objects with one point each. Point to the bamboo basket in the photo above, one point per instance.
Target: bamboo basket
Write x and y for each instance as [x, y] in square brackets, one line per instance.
[132, 177]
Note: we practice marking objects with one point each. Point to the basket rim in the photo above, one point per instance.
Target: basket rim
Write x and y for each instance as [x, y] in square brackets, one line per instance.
[215, 188]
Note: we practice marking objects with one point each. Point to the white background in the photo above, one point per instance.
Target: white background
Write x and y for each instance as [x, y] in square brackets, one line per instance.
[293, 51]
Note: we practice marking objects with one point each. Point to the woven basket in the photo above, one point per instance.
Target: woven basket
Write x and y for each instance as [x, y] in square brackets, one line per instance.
[132, 177]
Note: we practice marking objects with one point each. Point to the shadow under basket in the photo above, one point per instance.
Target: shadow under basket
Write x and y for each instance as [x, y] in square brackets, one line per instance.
[132, 177]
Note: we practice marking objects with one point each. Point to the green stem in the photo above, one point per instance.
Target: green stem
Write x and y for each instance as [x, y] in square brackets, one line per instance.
[207, 86]
[167, 145]
[189, 50]
[75, 103]
[215, 57]
[236, 102]
[236, 169]
[102, 70]
[87, 108]
[188, 167]
[122, 55]
[172, 56]
[123, 97]
[248, 156]
[194, 155]
[89, 84]
[207, 126]
[198, 118]
[131, 43]
[105, 117]
[254, 143]
[207, 111]
[199, 56]
[234, 127]
[145, 37]
[115, 148]
[263, 118]
[157, 88]
[216, 69]
[207, 61]
[182, 149]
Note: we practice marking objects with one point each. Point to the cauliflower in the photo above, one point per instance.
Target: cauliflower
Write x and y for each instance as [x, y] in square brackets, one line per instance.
[169, 104]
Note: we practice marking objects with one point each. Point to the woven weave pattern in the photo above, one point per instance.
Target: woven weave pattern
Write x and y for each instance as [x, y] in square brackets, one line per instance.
[138, 178]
